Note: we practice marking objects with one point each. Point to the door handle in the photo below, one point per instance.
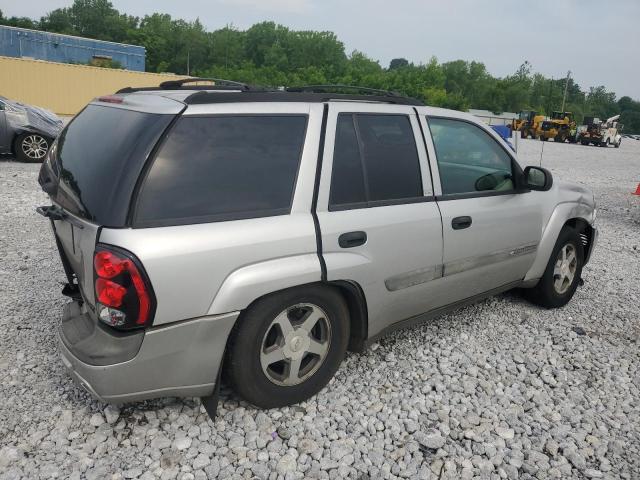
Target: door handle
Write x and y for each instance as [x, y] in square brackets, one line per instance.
[459, 223]
[352, 239]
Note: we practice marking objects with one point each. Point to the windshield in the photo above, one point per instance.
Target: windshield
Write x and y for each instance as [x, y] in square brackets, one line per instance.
[97, 161]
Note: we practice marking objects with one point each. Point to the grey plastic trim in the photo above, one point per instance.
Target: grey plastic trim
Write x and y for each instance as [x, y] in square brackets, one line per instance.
[465, 264]
[427, 274]
[415, 277]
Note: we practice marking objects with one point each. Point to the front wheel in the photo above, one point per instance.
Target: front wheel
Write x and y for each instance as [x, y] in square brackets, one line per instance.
[618, 144]
[562, 275]
[287, 346]
[31, 147]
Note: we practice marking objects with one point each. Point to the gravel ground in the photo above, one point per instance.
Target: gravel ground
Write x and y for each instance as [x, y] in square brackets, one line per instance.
[500, 389]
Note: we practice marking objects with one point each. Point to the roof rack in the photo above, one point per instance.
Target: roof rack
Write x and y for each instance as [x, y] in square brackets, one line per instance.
[230, 91]
[181, 84]
[173, 84]
[205, 97]
[340, 87]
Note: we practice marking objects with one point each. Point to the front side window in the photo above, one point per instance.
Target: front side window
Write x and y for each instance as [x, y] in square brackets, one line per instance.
[375, 160]
[469, 159]
[223, 168]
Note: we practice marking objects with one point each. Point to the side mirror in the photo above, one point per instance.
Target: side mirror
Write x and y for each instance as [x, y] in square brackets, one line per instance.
[538, 178]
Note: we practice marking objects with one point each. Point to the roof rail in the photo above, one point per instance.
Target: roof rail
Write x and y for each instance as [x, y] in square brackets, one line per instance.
[179, 84]
[172, 84]
[338, 87]
[204, 97]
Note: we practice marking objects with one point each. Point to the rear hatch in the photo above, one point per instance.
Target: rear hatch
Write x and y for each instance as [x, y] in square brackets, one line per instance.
[91, 173]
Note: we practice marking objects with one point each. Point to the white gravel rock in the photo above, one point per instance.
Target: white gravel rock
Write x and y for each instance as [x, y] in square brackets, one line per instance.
[111, 414]
[96, 420]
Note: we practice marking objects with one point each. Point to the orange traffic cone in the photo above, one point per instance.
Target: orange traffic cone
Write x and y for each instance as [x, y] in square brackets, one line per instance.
[637, 192]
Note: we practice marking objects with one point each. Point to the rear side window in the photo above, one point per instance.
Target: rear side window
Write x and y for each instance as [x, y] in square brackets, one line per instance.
[223, 168]
[100, 155]
[375, 161]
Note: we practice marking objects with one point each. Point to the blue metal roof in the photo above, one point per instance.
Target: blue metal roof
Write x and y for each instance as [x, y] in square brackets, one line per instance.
[54, 47]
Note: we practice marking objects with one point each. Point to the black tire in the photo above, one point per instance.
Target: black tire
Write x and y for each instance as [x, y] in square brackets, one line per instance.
[618, 144]
[243, 367]
[584, 143]
[543, 138]
[544, 293]
[25, 154]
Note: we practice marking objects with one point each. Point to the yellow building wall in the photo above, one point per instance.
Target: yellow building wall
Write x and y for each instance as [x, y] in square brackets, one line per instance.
[64, 88]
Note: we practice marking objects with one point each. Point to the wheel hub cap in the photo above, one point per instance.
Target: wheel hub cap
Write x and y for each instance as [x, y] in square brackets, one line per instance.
[565, 268]
[295, 344]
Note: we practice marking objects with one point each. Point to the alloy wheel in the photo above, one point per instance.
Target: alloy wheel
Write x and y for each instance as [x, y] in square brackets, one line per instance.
[295, 344]
[565, 268]
[35, 147]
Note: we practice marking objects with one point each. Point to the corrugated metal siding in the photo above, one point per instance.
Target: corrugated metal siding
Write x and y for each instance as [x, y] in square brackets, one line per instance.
[22, 42]
[65, 89]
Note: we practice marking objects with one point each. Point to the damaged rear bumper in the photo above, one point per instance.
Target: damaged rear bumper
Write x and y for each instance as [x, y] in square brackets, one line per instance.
[180, 359]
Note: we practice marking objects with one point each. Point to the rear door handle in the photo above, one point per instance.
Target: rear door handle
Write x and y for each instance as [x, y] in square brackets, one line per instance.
[352, 239]
[459, 223]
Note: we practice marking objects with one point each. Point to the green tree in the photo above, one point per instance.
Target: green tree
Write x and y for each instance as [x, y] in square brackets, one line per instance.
[398, 63]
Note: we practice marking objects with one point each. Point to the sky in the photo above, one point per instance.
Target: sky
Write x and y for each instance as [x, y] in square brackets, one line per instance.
[598, 41]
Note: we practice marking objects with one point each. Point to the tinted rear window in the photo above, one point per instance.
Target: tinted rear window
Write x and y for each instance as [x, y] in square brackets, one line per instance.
[223, 168]
[99, 158]
[375, 160]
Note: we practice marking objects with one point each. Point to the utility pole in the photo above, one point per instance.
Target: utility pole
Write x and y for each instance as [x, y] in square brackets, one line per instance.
[566, 86]
[188, 59]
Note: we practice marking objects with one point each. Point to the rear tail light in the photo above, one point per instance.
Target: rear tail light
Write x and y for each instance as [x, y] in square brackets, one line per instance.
[124, 298]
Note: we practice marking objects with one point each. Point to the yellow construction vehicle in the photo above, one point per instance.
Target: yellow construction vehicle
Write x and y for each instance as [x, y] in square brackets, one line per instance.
[561, 127]
[523, 117]
[527, 123]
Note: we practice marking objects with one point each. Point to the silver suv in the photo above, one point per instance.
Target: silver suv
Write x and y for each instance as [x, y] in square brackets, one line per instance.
[254, 236]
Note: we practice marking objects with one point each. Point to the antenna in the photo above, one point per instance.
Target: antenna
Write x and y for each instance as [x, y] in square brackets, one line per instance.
[566, 85]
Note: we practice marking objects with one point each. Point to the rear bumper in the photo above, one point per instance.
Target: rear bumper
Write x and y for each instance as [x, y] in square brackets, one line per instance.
[180, 359]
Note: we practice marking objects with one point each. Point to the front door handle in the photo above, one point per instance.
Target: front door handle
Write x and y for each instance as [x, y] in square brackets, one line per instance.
[459, 223]
[352, 239]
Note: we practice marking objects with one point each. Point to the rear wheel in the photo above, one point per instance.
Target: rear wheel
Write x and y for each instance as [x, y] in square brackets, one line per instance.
[618, 144]
[564, 269]
[31, 147]
[287, 346]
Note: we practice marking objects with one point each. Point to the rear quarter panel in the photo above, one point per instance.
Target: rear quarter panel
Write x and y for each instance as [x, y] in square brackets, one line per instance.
[188, 266]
